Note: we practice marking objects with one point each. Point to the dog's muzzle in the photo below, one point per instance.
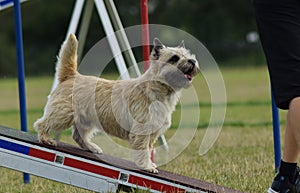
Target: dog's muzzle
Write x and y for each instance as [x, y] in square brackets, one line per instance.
[191, 70]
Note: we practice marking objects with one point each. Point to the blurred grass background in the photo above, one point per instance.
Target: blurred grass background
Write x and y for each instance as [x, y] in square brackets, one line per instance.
[242, 157]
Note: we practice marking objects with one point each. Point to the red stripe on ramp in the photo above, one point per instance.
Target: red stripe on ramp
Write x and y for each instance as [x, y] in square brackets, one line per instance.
[42, 154]
[107, 172]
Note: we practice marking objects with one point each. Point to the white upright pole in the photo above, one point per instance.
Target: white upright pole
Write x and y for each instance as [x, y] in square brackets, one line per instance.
[84, 26]
[122, 37]
[112, 40]
[75, 17]
[72, 29]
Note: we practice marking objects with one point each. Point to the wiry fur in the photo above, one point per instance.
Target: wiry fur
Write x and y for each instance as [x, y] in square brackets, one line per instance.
[137, 110]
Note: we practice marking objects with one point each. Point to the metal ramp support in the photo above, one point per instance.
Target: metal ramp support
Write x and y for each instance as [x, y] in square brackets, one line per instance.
[97, 172]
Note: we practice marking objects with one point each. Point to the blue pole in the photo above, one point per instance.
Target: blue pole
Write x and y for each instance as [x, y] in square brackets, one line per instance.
[21, 73]
[276, 134]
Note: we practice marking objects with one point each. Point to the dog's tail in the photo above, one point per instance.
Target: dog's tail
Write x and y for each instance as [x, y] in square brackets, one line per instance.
[66, 66]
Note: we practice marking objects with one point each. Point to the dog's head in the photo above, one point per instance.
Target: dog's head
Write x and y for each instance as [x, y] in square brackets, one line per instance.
[177, 66]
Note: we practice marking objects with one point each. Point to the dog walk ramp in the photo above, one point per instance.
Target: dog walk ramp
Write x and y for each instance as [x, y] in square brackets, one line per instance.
[100, 173]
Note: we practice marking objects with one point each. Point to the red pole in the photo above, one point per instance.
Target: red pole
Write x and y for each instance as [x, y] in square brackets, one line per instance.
[145, 41]
[145, 33]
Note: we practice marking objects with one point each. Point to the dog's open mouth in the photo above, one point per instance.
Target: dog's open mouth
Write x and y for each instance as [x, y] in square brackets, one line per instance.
[189, 76]
[191, 70]
[190, 73]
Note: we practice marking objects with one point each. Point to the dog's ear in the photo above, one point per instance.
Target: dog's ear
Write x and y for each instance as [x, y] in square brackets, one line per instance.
[157, 47]
[157, 44]
[181, 45]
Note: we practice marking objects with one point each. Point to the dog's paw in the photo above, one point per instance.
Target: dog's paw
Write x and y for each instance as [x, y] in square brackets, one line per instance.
[97, 150]
[48, 142]
[94, 148]
[152, 170]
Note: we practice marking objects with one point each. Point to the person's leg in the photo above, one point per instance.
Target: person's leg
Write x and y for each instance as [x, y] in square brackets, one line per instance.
[287, 180]
[291, 147]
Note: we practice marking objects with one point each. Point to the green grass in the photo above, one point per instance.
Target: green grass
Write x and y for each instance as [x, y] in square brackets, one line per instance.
[242, 157]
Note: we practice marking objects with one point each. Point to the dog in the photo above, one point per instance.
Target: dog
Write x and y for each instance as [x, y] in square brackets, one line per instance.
[137, 110]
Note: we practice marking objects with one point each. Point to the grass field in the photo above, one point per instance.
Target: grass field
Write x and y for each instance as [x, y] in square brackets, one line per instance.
[242, 157]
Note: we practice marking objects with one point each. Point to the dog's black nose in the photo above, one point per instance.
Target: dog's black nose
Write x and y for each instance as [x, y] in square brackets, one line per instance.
[192, 61]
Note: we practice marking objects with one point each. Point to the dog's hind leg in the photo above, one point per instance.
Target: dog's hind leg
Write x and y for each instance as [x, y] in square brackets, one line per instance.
[77, 137]
[83, 139]
[53, 120]
[43, 130]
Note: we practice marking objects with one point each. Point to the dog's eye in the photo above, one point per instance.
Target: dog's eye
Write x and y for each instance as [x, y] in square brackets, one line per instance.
[173, 59]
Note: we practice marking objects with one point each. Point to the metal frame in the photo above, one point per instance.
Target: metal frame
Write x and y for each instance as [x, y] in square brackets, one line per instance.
[4, 4]
[48, 166]
[97, 172]
[77, 171]
[124, 43]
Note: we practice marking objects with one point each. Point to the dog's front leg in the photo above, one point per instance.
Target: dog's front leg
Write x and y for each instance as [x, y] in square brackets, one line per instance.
[83, 139]
[142, 152]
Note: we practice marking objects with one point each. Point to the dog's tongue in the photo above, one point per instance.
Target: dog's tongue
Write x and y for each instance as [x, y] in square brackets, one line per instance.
[188, 76]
